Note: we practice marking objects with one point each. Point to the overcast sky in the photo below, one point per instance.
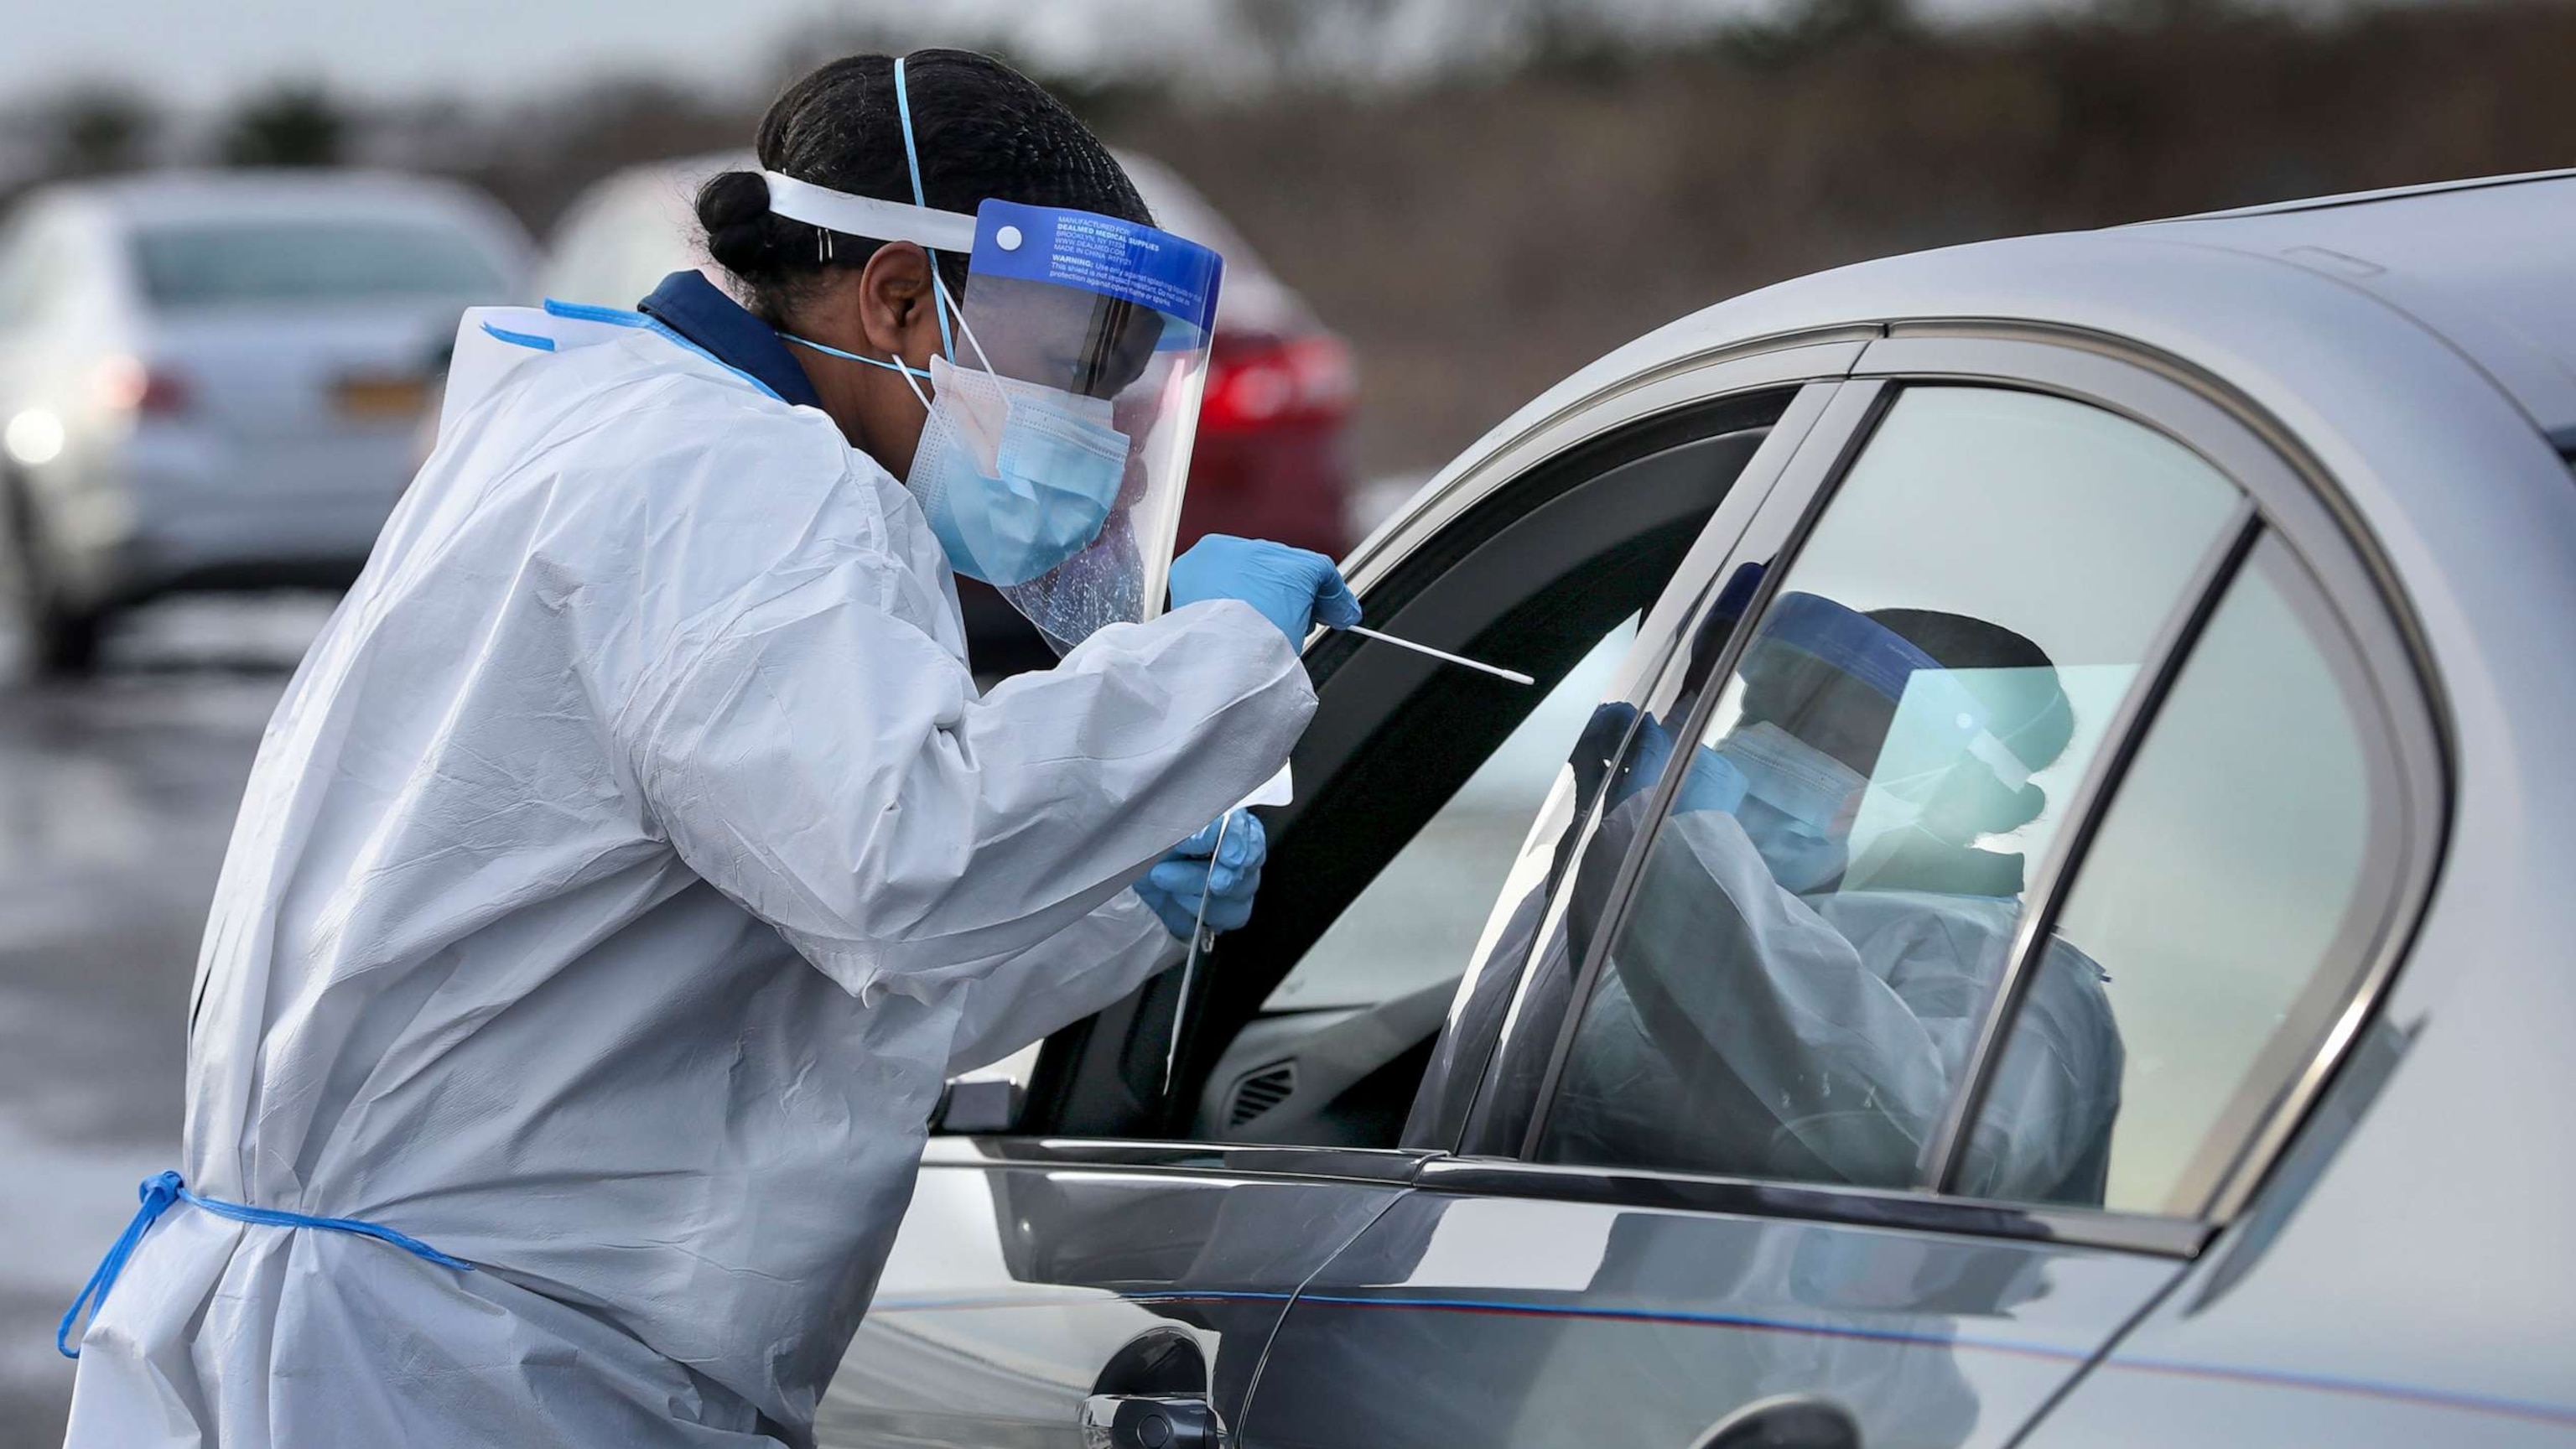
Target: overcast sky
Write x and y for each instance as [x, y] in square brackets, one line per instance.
[195, 53]
[199, 53]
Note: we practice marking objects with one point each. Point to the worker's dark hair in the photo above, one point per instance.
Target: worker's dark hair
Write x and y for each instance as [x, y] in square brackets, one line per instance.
[981, 129]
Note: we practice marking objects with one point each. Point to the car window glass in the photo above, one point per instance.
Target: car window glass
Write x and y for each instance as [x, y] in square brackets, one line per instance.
[2225, 899]
[1417, 922]
[1389, 834]
[1822, 917]
[237, 263]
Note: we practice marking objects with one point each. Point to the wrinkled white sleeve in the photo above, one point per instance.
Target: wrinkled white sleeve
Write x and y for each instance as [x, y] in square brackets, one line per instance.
[1816, 1033]
[1763, 984]
[1083, 969]
[831, 767]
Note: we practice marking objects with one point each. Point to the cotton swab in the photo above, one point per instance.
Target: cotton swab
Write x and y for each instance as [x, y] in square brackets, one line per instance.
[1514, 675]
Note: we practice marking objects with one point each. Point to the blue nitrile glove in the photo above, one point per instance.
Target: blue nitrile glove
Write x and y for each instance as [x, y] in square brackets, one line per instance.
[1714, 782]
[1172, 887]
[1292, 587]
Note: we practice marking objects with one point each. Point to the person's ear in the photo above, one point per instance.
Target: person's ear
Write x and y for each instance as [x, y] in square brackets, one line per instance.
[898, 311]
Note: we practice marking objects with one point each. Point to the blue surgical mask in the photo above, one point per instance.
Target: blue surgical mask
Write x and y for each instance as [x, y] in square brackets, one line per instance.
[1796, 808]
[1015, 477]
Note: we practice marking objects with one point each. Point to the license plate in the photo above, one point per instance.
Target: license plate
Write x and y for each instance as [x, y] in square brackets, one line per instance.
[380, 398]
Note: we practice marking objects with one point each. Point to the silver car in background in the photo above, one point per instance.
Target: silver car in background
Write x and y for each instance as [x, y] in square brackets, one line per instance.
[211, 379]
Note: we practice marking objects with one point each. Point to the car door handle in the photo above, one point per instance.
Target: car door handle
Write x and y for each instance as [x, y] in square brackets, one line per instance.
[1791, 1421]
[1141, 1421]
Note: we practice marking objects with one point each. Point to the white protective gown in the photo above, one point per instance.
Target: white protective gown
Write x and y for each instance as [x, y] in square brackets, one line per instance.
[622, 873]
[1820, 1038]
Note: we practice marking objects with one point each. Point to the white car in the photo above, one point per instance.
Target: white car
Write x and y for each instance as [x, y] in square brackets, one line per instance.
[210, 379]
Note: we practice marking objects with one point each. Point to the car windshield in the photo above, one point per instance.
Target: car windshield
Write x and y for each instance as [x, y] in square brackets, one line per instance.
[218, 264]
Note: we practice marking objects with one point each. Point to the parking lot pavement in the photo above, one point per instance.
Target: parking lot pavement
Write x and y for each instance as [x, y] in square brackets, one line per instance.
[116, 798]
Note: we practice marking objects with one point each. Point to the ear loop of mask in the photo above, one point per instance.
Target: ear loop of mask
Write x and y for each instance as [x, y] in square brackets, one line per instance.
[908, 371]
[898, 366]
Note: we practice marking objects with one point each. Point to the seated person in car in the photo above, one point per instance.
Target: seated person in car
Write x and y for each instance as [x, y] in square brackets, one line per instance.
[1818, 931]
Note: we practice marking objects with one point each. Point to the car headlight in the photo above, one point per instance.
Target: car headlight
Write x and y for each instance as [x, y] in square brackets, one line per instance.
[34, 437]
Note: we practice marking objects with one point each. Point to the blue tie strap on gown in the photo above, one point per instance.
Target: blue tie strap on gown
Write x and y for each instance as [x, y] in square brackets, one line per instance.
[162, 1189]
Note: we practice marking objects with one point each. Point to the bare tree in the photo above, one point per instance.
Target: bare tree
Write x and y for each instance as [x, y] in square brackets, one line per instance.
[292, 124]
[98, 129]
[1302, 42]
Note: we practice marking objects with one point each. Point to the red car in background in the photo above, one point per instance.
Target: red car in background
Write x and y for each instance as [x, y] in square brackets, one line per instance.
[1270, 461]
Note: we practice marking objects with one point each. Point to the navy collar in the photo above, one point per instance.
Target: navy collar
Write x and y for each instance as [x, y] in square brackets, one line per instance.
[698, 310]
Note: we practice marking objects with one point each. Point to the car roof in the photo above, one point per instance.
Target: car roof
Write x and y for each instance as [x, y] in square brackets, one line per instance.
[2490, 265]
[2255, 296]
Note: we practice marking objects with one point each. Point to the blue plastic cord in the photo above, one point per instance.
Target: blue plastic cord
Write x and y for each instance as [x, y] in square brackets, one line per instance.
[164, 1188]
[588, 312]
[520, 339]
[830, 351]
[912, 163]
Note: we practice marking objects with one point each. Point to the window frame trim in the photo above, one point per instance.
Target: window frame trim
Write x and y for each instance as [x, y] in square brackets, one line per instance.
[1946, 1152]
[2295, 500]
[2284, 493]
[1804, 367]
[1280, 1161]
[1662, 637]
[1777, 529]
[1699, 380]
[1902, 1209]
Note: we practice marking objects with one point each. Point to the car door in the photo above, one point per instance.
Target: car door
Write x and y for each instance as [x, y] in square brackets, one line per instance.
[1877, 1128]
[1126, 1211]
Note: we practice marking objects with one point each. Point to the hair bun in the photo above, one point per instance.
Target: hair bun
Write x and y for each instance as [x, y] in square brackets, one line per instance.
[742, 233]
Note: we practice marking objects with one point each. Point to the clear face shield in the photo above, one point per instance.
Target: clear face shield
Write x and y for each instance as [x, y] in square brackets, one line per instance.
[1074, 395]
[1064, 409]
[1935, 735]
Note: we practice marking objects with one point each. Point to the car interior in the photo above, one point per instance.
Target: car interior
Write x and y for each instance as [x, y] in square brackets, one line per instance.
[1542, 574]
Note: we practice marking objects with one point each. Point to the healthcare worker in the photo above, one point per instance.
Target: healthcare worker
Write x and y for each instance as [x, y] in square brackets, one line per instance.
[633, 856]
[1820, 926]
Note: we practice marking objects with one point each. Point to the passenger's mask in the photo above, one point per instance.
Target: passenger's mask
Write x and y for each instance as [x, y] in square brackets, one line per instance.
[1798, 805]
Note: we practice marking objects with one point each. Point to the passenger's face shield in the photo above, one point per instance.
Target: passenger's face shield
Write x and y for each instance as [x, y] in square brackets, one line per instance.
[1929, 739]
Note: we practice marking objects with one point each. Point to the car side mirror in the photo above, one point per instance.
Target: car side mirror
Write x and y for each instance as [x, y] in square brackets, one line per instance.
[978, 1107]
